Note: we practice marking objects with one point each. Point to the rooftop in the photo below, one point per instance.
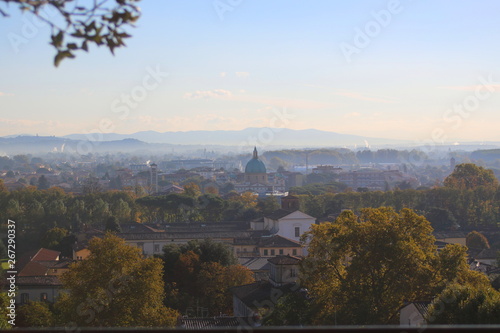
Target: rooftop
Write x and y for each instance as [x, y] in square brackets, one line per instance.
[278, 241]
[279, 214]
[211, 322]
[38, 281]
[284, 260]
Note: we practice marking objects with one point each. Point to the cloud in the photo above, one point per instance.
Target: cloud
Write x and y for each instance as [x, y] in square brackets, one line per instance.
[207, 94]
[16, 126]
[352, 115]
[280, 102]
[363, 97]
[200, 121]
[242, 74]
[223, 74]
[5, 94]
[472, 88]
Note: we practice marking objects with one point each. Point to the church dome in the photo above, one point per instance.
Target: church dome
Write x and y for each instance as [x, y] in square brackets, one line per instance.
[255, 165]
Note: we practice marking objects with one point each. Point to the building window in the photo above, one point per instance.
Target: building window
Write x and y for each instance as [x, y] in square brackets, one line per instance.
[293, 272]
[281, 251]
[25, 298]
[265, 252]
[157, 248]
[297, 231]
[54, 270]
[294, 252]
[43, 297]
[272, 252]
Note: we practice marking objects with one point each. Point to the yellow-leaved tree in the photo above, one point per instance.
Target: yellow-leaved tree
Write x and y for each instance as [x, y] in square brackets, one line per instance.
[114, 287]
[361, 269]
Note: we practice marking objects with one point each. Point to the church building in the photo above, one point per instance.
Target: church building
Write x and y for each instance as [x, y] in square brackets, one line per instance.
[256, 178]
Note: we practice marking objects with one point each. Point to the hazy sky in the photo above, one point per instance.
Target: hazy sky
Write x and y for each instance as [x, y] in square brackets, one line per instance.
[421, 70]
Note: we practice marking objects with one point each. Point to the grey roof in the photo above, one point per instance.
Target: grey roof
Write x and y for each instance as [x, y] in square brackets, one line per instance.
[137, 228]
[203, 227]
[246, 241]
[440, 244]
[488, 254]
[47, 280]
[255, 263]
[192, 235]
[449, 234]
[422, 307]
[211, 322]
[284, 260]
[279, 214]
[278, 241]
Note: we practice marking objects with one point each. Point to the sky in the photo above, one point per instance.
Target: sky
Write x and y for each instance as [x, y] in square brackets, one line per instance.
[421, 70]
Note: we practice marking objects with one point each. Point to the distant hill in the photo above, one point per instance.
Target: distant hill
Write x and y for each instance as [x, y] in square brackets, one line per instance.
[46, 144]
[197, 143]
[249, 136]
[487, 155]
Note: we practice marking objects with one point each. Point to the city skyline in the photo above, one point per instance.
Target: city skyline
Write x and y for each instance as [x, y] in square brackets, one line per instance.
[409, 70]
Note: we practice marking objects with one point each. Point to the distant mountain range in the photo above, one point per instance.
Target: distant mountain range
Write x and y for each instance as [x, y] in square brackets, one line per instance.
[192, 142]
[47, 144]
[249, 136]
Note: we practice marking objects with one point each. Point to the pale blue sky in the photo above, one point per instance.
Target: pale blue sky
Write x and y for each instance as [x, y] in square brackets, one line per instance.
[264, 56]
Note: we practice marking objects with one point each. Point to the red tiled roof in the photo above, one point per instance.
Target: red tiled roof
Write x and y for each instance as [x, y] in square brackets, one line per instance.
[46, 254]
[33, 268]
[36, 255]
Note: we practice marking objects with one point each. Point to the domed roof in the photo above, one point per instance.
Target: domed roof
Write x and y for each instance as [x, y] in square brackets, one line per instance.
[255, 165]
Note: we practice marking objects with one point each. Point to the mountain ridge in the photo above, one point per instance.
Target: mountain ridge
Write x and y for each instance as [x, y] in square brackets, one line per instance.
[260, 135]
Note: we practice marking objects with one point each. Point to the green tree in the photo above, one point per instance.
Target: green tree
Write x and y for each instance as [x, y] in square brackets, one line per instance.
[268, 205]
[4, 311]
[465, 304]
[112, 224]
[313, 206]
[34, 314]
[201, 272]
[476, 240]
[114, 287]
[211, 207]
[3, 250]
[192, 189]
[76, 27]
[53, 237]
[121, 209]
[293, 309]
[43, 183]
[469, 176]
[214, 282]
[3, 188]
[441, 218]
[247, 199]
[211, 251]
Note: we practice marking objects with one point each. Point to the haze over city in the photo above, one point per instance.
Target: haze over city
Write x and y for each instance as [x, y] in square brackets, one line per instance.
[409, 70]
